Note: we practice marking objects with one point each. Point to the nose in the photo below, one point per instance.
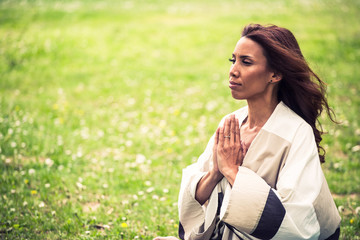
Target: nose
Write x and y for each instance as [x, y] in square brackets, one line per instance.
[234, 72]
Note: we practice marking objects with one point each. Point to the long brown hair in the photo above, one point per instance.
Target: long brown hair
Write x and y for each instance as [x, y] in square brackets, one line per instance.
[300, 88]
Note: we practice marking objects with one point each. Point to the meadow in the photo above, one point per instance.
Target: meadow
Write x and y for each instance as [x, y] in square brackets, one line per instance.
[103, 103]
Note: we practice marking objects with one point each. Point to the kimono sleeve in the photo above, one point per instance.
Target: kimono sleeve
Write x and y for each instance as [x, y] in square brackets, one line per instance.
[295, 208]
[197, 221]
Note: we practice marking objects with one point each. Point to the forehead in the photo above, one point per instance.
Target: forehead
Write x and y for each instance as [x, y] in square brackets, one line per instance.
[248, 47]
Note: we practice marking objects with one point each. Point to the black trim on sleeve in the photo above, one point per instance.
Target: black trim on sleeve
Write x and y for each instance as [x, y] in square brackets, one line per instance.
[335, 235]
[271, 218]
[181, 231]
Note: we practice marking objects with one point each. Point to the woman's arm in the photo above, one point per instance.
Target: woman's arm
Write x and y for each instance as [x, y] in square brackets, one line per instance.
[206, 186]
[199, 184]
[227, 157]
[211, 178]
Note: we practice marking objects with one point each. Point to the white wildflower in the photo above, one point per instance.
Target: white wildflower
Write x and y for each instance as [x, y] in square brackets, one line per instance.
[31, 171]
[131, 101]
[140, 159]
[357, 210]
[341, 209]
[49, 162]
[150, 189]
[357, 131]
[41, 204]
[79, 153]
[100, 133]
[79, 185]
[128, 143]
[355, 148]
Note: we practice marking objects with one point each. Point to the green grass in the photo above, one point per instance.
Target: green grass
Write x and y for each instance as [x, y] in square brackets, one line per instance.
[103, 103]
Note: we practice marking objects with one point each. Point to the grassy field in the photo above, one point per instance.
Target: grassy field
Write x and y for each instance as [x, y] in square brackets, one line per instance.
[102, 103]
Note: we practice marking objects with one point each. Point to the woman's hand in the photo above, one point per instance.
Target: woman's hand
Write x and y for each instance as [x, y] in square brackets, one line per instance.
[229, 151]
[227, 156]
[207, 184]
[215, 172]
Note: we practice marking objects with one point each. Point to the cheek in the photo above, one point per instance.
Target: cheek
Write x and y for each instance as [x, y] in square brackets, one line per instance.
[261, 75]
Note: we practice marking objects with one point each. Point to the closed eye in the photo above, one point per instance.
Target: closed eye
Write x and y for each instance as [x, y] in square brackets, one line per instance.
[246, 62]
[232, 60]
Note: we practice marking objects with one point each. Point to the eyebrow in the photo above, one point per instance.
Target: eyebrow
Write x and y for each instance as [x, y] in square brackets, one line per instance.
[243, 56]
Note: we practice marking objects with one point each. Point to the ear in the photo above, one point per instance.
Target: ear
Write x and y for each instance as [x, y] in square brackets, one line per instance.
[276, 77]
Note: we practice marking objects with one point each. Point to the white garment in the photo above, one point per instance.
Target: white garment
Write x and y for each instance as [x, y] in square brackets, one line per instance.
[280, 191]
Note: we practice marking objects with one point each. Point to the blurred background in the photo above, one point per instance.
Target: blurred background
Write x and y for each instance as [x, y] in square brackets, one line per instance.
[103, 103]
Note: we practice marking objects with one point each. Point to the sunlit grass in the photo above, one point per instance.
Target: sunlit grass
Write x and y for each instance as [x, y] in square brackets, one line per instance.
[103, 103]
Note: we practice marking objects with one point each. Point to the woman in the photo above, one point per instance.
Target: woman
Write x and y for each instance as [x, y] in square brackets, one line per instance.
[260, 175]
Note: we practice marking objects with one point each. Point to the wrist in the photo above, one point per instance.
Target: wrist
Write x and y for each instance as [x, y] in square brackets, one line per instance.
[230, 174]
[215, 175]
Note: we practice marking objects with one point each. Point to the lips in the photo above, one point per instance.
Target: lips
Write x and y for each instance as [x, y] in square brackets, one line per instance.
[233, 84]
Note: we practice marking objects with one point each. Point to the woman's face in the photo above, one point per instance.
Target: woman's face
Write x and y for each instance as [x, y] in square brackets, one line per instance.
[249, 75]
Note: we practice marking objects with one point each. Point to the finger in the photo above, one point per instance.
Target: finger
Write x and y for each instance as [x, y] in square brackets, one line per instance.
[232, 129]
[227, 129]
[216, 139]
[221, 136]
[238, 143]
[237, 132]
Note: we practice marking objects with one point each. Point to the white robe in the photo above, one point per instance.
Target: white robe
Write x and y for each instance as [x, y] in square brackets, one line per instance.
[280, 191]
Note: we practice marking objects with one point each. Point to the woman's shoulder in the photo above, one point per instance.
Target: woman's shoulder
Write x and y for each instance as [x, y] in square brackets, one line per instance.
[284, 122]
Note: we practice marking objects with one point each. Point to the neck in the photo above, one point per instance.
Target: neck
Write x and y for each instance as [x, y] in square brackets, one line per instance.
[259, 111]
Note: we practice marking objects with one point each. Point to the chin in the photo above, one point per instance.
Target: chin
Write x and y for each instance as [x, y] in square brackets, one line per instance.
[237, 96]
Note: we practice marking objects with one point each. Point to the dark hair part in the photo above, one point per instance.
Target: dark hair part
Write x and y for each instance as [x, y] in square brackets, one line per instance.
[300, 88]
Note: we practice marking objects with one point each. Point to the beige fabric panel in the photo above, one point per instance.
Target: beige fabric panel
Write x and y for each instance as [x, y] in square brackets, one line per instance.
[264, 157]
